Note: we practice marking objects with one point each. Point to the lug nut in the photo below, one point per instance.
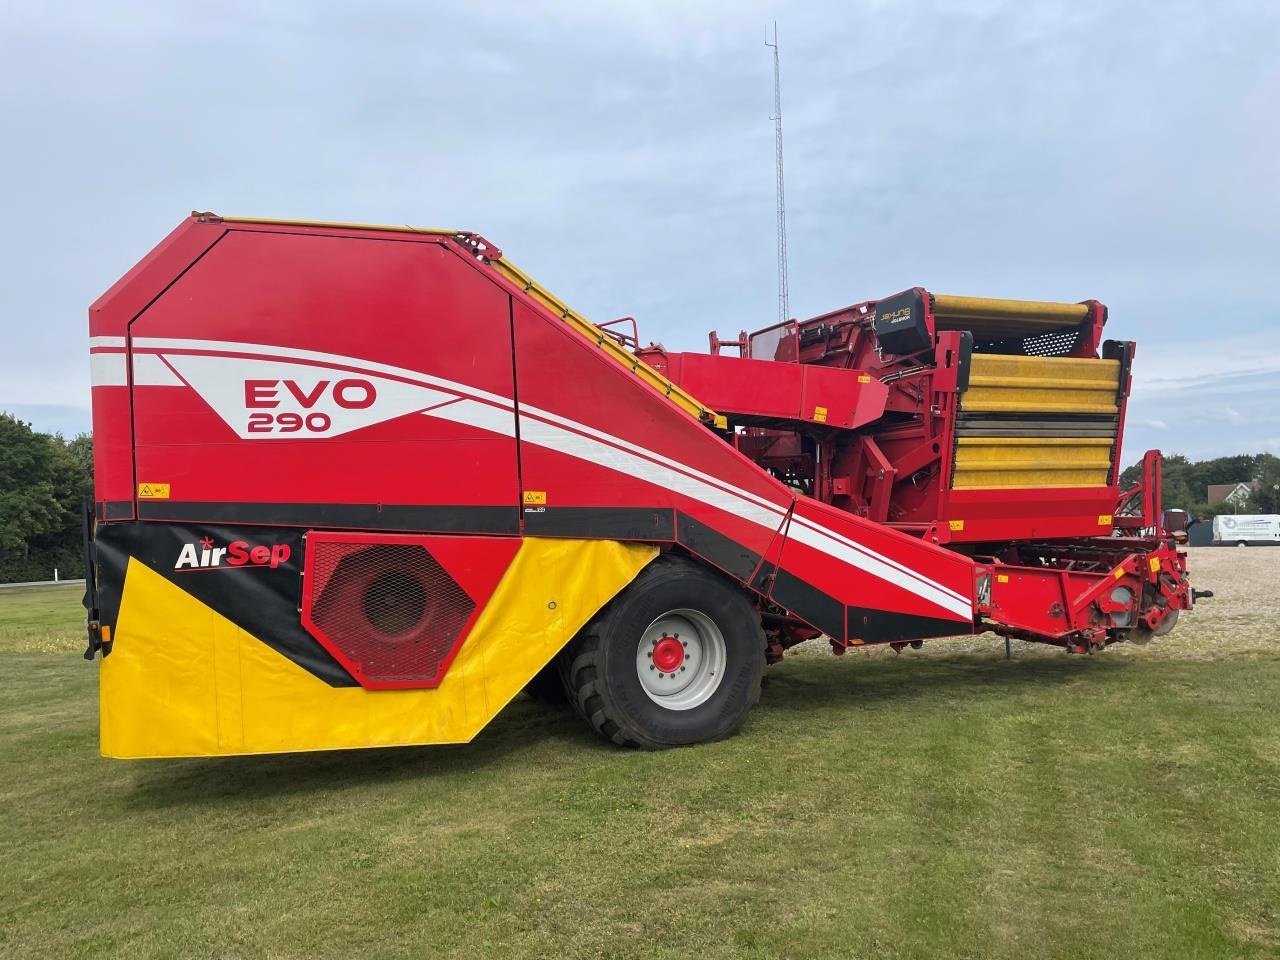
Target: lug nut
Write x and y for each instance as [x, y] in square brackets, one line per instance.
[651, 666]
[684, 642]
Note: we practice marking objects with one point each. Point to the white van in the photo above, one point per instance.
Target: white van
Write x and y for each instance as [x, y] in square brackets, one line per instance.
[1247, 530]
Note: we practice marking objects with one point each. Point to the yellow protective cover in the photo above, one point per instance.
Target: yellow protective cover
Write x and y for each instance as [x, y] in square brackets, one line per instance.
[183, 681]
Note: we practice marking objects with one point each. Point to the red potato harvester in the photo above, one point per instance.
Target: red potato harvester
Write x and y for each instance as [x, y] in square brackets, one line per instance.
[360, 485]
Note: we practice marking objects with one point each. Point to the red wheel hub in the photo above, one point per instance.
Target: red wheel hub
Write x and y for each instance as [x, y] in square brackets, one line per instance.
[668, 654]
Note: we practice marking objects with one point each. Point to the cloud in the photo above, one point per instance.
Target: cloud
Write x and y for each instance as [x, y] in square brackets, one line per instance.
[623, 154]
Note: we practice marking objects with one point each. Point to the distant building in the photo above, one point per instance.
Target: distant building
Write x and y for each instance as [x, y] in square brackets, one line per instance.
[1231, 492]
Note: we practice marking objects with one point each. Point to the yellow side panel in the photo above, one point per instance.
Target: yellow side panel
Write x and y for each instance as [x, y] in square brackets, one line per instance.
[1031, 462]
[1010, 384]
[163, 690]
[183, 681]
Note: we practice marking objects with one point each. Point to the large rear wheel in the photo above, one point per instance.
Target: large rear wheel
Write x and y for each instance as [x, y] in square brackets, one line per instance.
[675, 659]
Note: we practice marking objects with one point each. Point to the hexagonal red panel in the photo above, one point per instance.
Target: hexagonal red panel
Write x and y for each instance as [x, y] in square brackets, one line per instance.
[395, 609]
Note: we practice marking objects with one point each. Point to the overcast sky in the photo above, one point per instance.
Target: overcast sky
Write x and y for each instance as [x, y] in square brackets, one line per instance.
[622, 153]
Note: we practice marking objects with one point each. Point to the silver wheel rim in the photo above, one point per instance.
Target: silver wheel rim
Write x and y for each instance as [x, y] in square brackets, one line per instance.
[687, 679]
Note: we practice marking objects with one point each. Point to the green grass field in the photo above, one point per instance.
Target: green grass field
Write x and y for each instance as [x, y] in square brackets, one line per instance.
[41, 619]
[937, 804]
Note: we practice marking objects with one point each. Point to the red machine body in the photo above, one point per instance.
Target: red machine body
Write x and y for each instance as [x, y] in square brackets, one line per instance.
[334, 385]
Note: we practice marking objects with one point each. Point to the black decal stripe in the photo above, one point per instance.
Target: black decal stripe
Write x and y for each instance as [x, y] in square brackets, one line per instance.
[355, 516]
[265, 602]
[261, 601]
[885, 626]
[115, 510]
[715, 547]
[809, 603]
[601, 523]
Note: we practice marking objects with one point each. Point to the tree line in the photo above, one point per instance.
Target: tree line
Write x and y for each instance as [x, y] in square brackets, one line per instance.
[45, 480]
[1185, 483]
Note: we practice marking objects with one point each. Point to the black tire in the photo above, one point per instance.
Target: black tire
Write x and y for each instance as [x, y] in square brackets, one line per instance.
[547, 687]
[600, 671]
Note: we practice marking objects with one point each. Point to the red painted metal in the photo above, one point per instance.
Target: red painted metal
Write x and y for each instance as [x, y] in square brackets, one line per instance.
[393, 609]
[345, 379]
[896, 470]
[109, 319]
[1139, 507]
[630, 340]
[668, 654]
[764, 392]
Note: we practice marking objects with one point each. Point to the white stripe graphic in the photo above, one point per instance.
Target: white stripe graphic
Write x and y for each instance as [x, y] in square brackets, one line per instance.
[150, 371]
[492, 412]
[167, 345]
[710, 485]
[109, 370]
[554, 437]
[833, 545]
[473, 413]
[526, 409]
[739, 503]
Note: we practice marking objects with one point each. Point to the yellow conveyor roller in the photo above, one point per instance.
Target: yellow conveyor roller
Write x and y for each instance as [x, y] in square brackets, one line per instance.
[1011, 384]
[990, 319]
[1031, 462]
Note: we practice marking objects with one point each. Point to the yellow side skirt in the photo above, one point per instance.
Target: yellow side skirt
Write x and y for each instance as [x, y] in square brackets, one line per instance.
[183, 681]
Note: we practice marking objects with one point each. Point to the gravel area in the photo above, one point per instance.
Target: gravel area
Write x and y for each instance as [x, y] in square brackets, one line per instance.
[1242, 619]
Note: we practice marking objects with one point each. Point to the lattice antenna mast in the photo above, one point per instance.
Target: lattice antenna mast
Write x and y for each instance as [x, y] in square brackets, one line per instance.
[784, 293]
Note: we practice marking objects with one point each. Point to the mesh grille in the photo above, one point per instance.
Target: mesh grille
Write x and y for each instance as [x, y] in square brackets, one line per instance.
[1054, 343]
[389, 610]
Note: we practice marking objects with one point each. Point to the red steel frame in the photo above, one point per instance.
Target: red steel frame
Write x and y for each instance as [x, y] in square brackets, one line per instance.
[490, 416]
[1066, 600]
[923, 387]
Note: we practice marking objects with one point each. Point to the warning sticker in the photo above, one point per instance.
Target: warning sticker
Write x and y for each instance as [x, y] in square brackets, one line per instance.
[820, 414]
[535, 498]
[1104, 520]
[153, 491]
[956, 525]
